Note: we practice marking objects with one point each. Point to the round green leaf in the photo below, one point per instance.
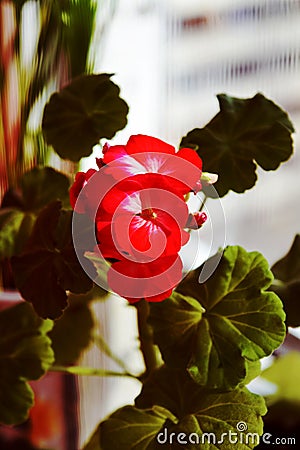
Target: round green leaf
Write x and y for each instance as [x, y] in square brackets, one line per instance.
[202, 411]
[244, 134]
[171, 406]
[25, 354]
[242, 321]
[130, 428]
[82, 113]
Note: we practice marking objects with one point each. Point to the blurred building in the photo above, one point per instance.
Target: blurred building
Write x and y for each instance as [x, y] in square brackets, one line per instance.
[233, 46]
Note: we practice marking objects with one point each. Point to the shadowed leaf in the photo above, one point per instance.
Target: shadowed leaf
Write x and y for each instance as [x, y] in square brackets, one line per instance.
[82, 113]
[67, 342]
[20, 207]
[25, 354]
[42, 185]
[49, 265]
[244, 134]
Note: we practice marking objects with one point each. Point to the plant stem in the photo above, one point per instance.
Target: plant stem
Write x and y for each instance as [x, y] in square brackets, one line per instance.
[203, 203]
[103, 346]
[90, 371]
[145, 335]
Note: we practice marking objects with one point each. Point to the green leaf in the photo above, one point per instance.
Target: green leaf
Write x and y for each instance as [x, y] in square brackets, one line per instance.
[242, 322]
[253, 370]
[41, 186]
[287, 269]
[171, 403]
[49, 265]
[20, 207]
[244, 134]
[67, 342]
[94, 442]
[175, 323]
[25, 354]
[130, 428]
[78, 31]
[82, 113]
[287, 282]
[15, 228]
[284, 372]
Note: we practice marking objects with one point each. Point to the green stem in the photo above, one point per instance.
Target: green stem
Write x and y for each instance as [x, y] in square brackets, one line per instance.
[90, 371]
[145, 335]
[277, 283]
[103, 346]
[203, 202]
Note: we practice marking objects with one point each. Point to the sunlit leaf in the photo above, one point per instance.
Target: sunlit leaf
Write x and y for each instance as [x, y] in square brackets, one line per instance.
[130, 428]
[49, 265]
[287, 282]
[244, 134]
[285, 374]
[25, 354]
[242, 321]
[82, 113]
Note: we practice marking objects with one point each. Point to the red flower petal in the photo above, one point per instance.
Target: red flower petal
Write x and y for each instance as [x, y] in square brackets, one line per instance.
[113, 152]
[146, 144]
[153, 281]
[81, 179]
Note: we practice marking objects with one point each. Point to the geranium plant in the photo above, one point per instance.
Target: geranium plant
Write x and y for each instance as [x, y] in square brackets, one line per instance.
[65, 241]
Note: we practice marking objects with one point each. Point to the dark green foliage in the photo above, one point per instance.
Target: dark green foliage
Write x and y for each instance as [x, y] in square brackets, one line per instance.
[82, 113]
[25, 354]
[244, 134]
[49, 265]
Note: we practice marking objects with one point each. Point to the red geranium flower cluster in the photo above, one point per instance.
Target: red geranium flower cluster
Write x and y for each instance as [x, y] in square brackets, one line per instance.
[137, 200]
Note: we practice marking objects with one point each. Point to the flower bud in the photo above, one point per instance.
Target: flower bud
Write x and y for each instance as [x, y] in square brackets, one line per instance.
[196, 220]
[100, 162]
[209, 178]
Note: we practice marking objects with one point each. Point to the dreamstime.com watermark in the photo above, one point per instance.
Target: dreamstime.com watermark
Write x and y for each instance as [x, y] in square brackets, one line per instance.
[240, 436]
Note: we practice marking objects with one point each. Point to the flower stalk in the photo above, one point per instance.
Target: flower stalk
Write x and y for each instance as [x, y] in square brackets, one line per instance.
[147, 347]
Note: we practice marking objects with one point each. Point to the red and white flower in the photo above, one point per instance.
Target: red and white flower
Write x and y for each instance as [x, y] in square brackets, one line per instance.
[145, 154]
[137, 202]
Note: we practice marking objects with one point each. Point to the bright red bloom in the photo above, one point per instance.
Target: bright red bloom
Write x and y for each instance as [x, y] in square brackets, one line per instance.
[143, 221]
[145, 154]
[152, 281]
[136, 200]
[84, 203]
